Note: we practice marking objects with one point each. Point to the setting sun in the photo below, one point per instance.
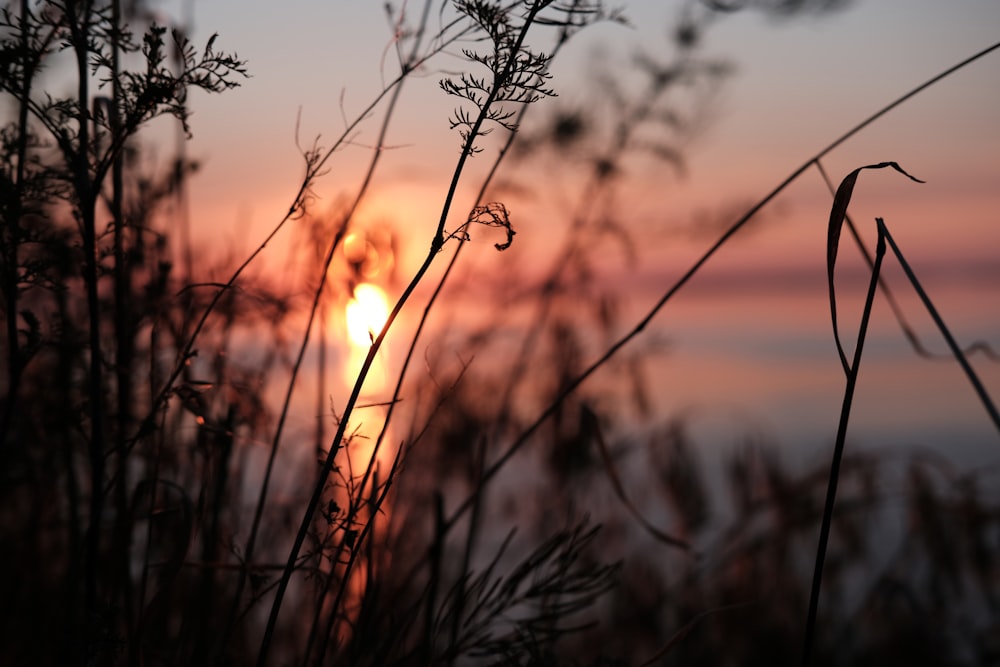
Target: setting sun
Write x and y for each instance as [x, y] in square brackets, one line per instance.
[366, 314]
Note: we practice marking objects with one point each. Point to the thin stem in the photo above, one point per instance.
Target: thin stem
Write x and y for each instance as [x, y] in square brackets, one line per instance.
[124, 345]
[86, 200]
[436, 245]
[838, 450]
[977, 385]
[313, 310]
[504, 151]
[373, 458]
[12, 231]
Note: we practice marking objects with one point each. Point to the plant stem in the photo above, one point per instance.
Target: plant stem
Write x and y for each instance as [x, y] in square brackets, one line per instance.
[981, 392]
[79, 24]
[838, 450]
[436, 244]
[12, 232]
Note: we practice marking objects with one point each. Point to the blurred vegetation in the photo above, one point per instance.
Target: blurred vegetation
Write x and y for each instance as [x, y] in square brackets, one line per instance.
[150, 492]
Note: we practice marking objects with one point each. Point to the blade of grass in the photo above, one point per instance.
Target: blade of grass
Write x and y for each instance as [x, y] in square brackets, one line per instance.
[594, 426]
[687, 629]
[977, 385]
[838, 450]
[841, 200]
[911, 336]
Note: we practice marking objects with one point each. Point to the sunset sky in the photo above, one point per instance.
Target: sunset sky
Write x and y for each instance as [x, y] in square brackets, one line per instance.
[798, 85]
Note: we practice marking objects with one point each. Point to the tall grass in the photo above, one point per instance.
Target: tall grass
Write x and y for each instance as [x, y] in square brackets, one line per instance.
[146, 490]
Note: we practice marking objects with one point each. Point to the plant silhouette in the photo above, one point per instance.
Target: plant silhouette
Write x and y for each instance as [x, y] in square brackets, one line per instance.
[155, 506]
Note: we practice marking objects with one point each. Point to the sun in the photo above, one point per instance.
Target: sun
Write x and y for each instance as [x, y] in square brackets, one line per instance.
[366, 314]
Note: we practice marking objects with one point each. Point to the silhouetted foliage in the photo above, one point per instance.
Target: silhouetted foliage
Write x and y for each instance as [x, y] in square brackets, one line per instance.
[150, 514]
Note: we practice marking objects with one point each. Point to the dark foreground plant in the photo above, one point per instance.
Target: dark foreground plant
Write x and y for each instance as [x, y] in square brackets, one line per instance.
[838, 212]
[64, 159]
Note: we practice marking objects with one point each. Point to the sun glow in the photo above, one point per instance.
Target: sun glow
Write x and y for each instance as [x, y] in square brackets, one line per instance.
[366, 314]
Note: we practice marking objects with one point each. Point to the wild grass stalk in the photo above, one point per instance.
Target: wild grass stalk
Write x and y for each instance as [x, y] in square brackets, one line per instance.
[370, 469]
[518, 77]
[13, 207]
[838, 213]
[569, 26]
[838, 450]
[908, 332]
[956, 349]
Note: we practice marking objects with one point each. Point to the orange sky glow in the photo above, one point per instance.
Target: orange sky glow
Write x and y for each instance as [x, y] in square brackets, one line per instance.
[797, 86]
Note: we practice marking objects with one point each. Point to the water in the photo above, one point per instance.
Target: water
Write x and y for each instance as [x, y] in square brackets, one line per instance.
[756, 348]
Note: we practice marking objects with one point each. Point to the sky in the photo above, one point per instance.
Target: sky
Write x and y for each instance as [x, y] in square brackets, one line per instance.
[797, 85]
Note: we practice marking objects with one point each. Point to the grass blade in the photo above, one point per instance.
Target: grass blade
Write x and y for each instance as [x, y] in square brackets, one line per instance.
[682, 633]
[979, 346]
[838, 450]
[984, 397]
[838, 212]
[619, 488]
